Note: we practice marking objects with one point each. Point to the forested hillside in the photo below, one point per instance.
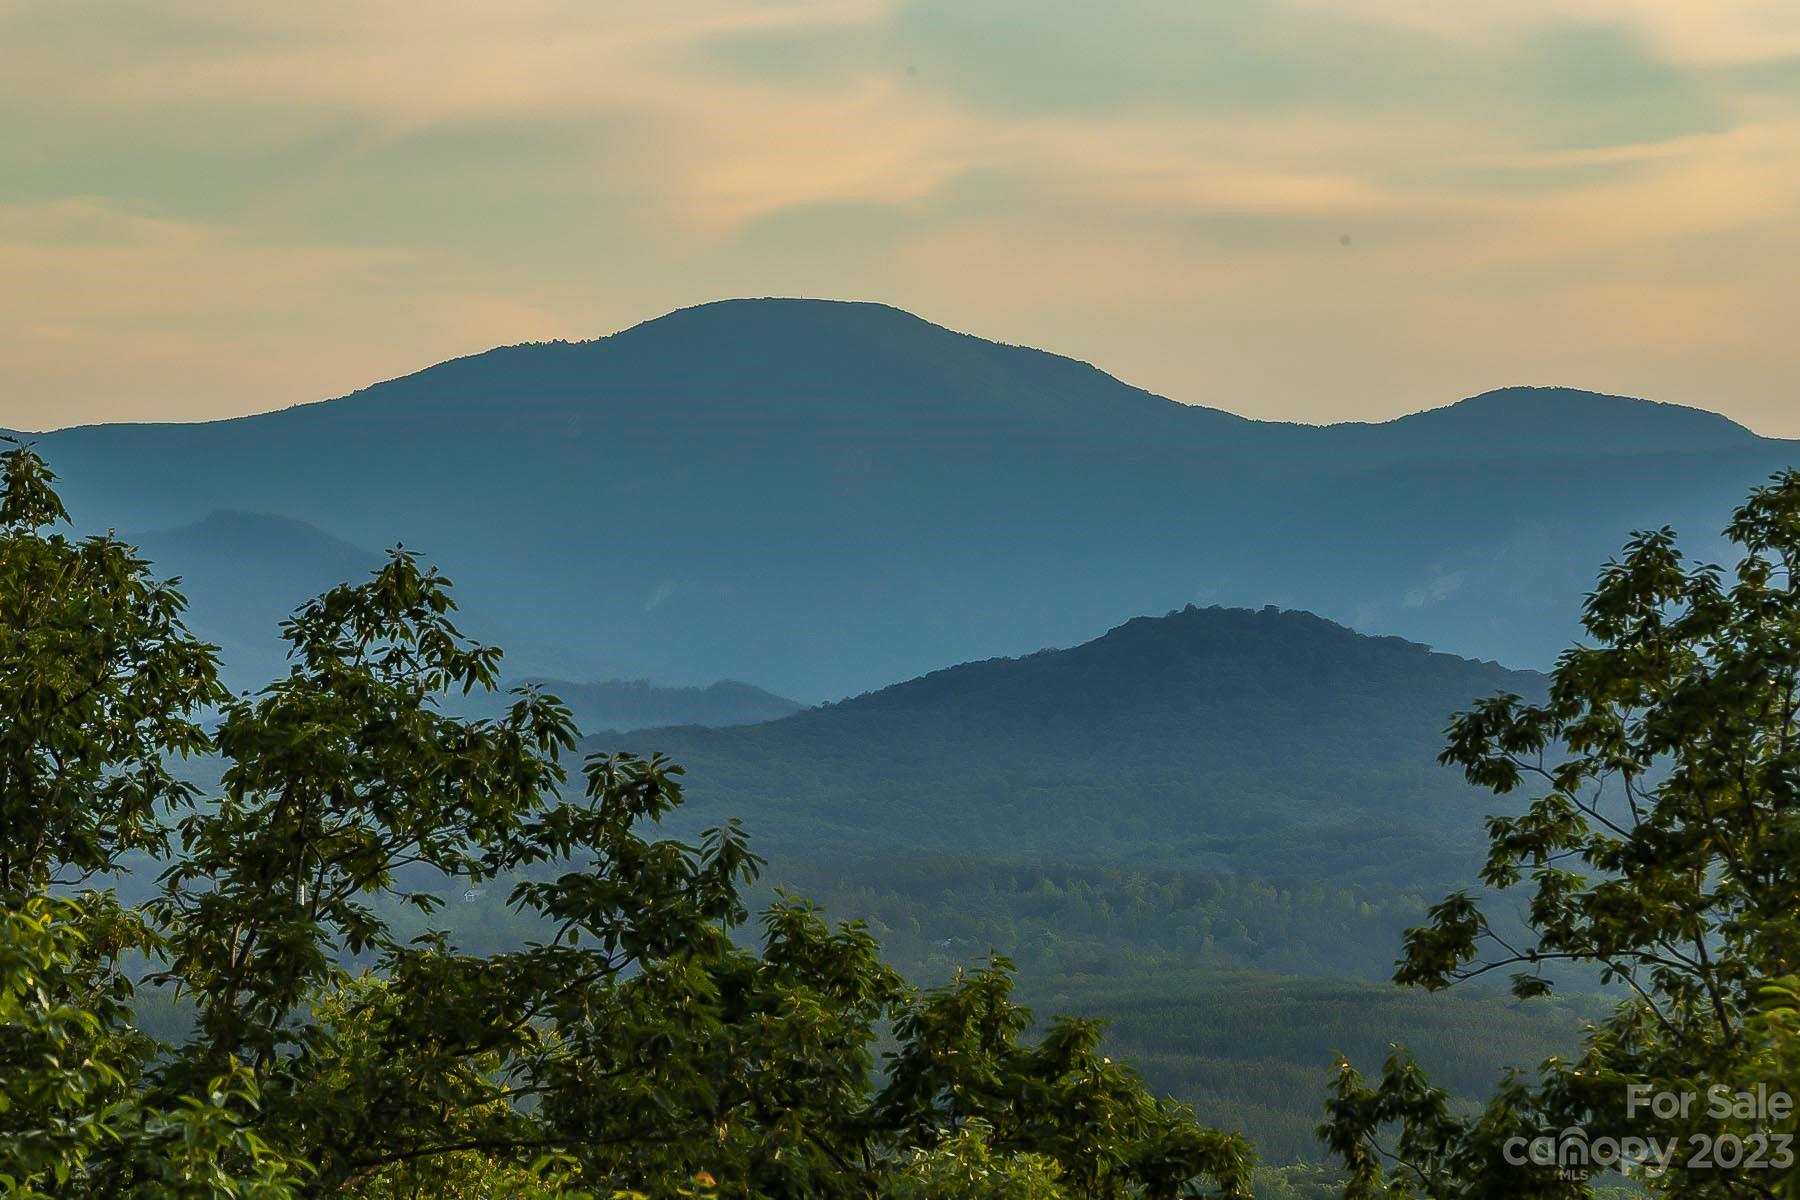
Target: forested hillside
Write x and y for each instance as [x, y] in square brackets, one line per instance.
[1225, 740]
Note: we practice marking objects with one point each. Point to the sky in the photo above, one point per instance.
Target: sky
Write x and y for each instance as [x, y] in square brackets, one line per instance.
[1311, 210]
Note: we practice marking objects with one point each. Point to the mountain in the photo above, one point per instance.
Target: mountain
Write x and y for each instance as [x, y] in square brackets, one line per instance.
[1533, 422]
[244, 573]
[636, 703]
[1231, 740]
[825, 497]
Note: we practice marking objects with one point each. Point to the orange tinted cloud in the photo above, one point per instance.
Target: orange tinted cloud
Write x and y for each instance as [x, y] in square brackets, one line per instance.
[209, 208]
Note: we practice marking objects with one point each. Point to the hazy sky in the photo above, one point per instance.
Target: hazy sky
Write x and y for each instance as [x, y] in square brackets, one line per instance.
[1306, 209]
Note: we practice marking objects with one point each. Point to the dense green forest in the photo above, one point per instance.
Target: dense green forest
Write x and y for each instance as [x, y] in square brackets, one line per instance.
[1116, 935]
[1174, 962]
[935, 912]
[1251, 1052]
[933, 915]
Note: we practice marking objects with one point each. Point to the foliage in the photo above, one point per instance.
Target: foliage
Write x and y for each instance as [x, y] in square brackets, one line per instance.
[965, 1167]
[1775, 1028]
[76, 1115]
[98, 683]
[935, 913]
[636, 1046]
[1249, 1051]
[1661, 848]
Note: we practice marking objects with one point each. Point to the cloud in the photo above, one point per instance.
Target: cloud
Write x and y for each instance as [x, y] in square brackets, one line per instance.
[108, 309]
[661, 594]
[237, 206]
[1420, 597]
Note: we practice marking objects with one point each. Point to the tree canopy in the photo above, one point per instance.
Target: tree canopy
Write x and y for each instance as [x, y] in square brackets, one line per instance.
[1660, 848]
[642, 1045]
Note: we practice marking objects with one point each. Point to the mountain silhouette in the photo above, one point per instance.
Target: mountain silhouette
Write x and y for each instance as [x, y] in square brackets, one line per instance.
[822, 497]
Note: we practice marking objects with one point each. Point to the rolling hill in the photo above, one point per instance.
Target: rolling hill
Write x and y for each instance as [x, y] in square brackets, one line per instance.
[824, 497]
[1235, 741]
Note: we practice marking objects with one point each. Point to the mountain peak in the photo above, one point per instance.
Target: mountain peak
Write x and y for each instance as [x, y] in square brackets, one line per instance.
[623, 704]
[768, 366]
[809, 309]
[270, 537]
[1217, 735]
[1520, 421]
[1257, 649]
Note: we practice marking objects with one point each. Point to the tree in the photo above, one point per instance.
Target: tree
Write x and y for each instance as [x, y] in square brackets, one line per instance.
[1660, 848]
[76, 1118]
[636, 1046]
[964, 1167]
[99, 683]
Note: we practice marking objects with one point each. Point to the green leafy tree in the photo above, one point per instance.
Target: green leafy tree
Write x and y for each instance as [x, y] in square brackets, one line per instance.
[1659, 847]
[343, 784]
[961, 1060]
[1776, 1028]
[637, 1046]
[99, 684]
[965, 1167]
[76, 1119]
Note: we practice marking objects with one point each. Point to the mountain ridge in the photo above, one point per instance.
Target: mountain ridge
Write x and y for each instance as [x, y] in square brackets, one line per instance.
[681, 323]
[628, 704]
[1250, 740]
[823, 497]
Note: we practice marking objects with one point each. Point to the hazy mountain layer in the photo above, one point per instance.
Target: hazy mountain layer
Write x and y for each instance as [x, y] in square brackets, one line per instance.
[245, 573]
[825, 497]
[637, 703]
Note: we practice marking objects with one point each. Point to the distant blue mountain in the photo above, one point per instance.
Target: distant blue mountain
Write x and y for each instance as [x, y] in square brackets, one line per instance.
[244, 573]
[825, 497]
[626, 704]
